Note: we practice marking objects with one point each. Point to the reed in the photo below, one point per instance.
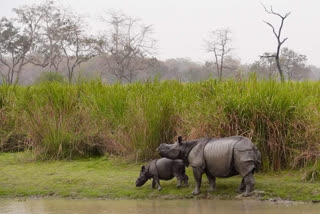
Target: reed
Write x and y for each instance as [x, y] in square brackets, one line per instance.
[63, 121]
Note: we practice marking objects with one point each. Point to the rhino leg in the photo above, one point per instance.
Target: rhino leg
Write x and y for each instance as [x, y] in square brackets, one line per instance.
[212, 182]
[156, 180]
[179, 178]
[153, 184]
[249, 181]
[178, 182]
[197, 174]
[185, 180]
[242, 186]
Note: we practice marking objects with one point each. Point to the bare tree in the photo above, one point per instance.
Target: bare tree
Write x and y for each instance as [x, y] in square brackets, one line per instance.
[218, 43]
[14, 46]
[18, 38]
[21, 40]
[277, 34]
[129, 46]
[50, 20]
[77, 46]
[48, 51]
[30, 18]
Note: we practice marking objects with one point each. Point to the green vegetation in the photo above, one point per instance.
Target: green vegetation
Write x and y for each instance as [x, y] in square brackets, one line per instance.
[50, 77]
[313, 173]
[111, 177]
[64, 121]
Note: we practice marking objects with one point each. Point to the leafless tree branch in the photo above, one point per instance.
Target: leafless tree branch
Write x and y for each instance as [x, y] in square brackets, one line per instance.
[277, 34]
[218, 44]
[128, 47]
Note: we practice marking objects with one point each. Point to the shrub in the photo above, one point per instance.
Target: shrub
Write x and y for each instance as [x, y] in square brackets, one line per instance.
[50, 77]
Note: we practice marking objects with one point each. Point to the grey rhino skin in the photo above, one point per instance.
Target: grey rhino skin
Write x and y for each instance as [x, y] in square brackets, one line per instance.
[164, 169]
[217, 157]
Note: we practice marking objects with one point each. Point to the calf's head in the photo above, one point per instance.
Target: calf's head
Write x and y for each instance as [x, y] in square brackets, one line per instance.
[171, 151]
[143, 177]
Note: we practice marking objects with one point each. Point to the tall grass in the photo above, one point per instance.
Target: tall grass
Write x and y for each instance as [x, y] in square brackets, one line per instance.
[59, 121]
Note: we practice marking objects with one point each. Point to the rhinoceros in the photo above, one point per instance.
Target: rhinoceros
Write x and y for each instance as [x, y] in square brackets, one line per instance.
[217, 157]
[164, 169]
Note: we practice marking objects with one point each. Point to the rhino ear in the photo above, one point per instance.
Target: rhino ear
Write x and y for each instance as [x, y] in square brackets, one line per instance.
[143, 168]
[179, 139]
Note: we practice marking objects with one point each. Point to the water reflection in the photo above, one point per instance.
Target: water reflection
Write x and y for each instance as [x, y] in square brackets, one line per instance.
[61, 206]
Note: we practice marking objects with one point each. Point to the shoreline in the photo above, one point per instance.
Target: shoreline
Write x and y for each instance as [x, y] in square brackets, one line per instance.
[113, 178]
[54, 198]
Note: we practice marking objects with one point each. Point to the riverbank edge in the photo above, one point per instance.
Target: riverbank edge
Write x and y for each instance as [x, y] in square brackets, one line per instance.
[113, 178]
[237, 198]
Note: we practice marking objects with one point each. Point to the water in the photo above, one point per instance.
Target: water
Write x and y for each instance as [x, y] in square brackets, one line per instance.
[61, 206]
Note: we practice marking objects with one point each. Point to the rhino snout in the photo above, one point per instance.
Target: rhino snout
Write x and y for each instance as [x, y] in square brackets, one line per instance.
[141, 181]
[138, 183]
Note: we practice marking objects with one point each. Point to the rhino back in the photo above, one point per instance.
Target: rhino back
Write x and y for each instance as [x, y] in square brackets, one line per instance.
[218, 156]
[164, 168]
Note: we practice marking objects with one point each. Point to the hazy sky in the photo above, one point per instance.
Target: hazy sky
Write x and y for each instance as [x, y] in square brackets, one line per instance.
[180, 26]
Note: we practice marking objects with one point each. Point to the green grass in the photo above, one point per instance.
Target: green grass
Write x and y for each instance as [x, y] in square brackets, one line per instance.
[60, 121]
[114, 178]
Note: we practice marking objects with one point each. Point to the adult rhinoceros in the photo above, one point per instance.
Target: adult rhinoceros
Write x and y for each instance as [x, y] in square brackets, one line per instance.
[217, 157]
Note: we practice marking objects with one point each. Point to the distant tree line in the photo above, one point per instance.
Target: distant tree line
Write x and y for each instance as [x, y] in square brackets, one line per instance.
[48, 38]
[52, 37]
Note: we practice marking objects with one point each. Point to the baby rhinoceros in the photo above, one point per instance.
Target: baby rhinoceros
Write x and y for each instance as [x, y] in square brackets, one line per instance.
[163, 169]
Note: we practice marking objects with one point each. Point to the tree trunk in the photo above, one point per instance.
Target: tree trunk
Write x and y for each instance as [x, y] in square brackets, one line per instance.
[69, 75]
[279, 68]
